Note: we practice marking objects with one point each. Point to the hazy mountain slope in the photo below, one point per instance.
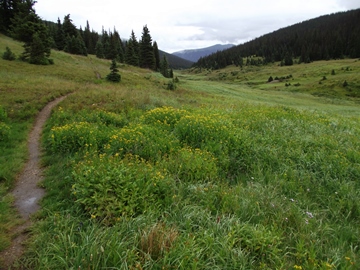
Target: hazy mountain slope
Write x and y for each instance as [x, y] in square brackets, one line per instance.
[175, 62]
[196, 54]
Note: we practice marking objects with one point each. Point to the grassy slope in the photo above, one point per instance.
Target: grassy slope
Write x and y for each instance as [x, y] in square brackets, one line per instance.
[25, 89]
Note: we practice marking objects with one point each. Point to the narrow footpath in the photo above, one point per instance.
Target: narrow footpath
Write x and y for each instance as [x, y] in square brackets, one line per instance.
[27, 193]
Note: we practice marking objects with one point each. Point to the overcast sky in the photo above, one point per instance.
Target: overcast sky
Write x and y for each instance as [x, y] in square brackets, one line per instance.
[190, 24]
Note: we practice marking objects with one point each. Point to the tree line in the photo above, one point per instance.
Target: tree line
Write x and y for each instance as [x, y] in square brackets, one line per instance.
[19, 20]
[327, 37]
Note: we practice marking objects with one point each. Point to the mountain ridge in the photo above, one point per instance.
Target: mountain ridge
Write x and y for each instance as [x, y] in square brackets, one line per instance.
[195, 54]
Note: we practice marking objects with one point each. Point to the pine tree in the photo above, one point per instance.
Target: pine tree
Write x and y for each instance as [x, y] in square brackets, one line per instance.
[132, 51]
[157, 56]
[59, 36]
[8, 55]
[147, 58]
[28, 27]
[114, 75]
[68, 27]
[117, 43]
[164, 67]
[99, 49]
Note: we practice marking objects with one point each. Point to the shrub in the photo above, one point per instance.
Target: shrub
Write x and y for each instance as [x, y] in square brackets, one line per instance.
[171, 85]
[145, 141]
[79, 135]
[109, 188]
[8, 55]
[192, 165]
[167, 117]
[4, 131]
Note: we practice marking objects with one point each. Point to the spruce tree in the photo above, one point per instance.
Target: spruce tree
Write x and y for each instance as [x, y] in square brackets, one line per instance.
[99, 49]
[157, 56]
[29, 28]
[59, 36]
[147, 57]
[164, 67]
[8, 55]
[68, 27]
[114, 75]
[132, 51]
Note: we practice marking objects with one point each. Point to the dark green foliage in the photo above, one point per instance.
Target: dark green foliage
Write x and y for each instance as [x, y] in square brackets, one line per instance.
[114, 75]
[157, 56]
[171, 85]
[288, 60]
[37, 52]
[68, 27]
[345, 84]
[333, 72]
[164, 67]
[9, 9]
[270, 79]
[8, 55]
[59, 36]
[132, 51]
[147, 57]
[75, 45]
[99, 49]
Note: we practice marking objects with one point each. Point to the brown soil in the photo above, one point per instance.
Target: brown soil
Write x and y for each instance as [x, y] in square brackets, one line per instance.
[27, 193]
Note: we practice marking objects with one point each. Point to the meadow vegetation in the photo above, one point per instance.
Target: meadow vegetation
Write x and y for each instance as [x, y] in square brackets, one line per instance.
[225, 172]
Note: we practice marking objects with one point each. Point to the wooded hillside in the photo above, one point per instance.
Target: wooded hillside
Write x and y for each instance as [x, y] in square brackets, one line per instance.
[327, 37]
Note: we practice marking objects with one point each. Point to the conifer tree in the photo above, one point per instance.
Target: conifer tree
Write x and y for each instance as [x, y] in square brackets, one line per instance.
[114, 75]
[99, 49]
[68, 27]
[164, 67]
[8, 55]
[28, 27]
[132, 51]
[59, 36]
[157, 56]
[147, 57]
[117, 43]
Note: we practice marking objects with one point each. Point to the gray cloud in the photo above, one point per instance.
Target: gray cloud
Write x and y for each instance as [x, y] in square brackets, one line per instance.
[349, 4]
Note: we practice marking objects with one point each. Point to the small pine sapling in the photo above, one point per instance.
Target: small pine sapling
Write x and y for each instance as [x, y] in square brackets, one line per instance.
[114, 75]
[8, 55]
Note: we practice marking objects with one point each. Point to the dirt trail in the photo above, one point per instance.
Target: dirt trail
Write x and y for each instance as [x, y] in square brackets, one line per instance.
[27, 193]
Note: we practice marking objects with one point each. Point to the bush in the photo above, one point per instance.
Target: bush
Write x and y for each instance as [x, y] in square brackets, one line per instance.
[109, 188]
[8, 55]
[171, 85]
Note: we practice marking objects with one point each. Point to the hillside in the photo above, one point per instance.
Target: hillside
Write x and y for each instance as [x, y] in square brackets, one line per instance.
[195, 54]
[176, 62]
[327, 37]
[227, 171]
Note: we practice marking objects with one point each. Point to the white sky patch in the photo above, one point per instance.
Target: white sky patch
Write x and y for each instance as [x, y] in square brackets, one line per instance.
[191, 24]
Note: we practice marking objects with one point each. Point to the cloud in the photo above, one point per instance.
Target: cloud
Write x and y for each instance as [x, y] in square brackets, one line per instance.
[189, 24]
[349, 4]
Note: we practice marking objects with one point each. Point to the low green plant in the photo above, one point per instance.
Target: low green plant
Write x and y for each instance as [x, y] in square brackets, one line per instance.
[8, 55]
[110, 188]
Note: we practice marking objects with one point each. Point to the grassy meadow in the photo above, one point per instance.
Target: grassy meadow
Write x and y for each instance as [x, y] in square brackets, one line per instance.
[225, 172]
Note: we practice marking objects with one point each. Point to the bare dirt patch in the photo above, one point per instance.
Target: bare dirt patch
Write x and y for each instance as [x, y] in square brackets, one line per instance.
[27, 193]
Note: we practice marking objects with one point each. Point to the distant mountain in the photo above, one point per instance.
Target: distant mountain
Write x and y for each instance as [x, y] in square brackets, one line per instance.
[327, 37]
[176, 62]
[196, 54]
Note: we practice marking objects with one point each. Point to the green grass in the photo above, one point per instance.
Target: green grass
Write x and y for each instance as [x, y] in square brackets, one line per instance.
[226, 172]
